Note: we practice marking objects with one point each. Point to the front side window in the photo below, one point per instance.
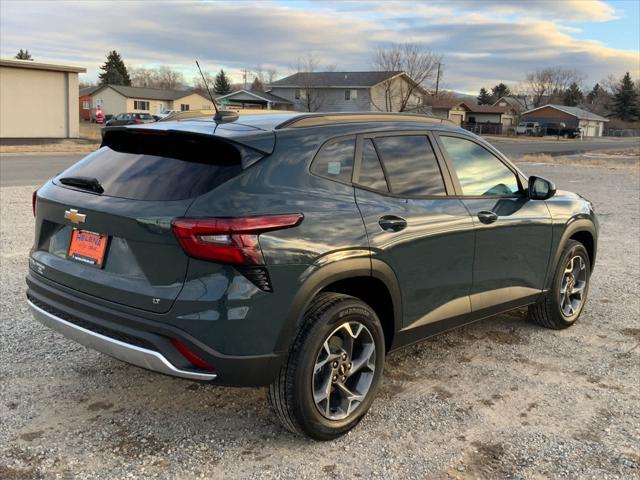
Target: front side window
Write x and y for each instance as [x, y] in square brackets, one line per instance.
[335, 160]
[411, 165]
[479, 171]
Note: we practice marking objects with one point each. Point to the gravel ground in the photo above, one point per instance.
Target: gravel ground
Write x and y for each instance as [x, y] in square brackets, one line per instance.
[497, 399]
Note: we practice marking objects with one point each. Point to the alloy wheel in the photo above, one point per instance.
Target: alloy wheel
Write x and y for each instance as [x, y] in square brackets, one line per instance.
[344, 370]
[572, 288]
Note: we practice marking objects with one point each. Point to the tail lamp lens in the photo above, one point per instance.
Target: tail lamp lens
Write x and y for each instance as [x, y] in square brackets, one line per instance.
[34, 199]
[229, 240]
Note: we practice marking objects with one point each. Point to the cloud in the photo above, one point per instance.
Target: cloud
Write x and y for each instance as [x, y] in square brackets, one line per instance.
[482, 42]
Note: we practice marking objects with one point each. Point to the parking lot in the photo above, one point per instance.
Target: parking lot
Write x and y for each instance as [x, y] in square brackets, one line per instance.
[499, 398]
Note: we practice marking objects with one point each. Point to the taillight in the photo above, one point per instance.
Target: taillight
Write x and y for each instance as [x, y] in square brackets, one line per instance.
[138, 121]
[229, 240]
[191, 356]
[34, 199]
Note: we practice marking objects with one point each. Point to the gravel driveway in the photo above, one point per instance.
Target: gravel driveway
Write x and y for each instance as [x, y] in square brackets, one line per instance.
[497, 399]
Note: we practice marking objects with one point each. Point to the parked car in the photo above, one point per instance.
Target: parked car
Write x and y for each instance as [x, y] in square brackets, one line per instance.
[130, 119]
[559, 130]
[301, 252]
[164, 114]
[528, 128]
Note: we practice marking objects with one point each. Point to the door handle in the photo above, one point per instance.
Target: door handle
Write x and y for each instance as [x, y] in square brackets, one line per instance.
[487, 217]
[392, 223]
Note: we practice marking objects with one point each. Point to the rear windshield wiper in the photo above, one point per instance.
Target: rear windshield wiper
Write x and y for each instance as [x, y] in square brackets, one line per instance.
[86, 183]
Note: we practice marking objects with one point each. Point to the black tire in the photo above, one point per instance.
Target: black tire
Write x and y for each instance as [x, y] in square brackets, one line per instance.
[291, 394]
[548, 311]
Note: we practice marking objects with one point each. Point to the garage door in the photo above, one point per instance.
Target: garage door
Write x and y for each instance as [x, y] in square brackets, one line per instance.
[592, 131]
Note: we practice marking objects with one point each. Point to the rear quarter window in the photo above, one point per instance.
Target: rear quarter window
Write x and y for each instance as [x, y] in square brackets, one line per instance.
[335, 159]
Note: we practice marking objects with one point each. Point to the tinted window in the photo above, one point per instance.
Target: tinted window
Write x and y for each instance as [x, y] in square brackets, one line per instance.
[159, 168]
[335, 160]
[410, 165]
[479, 171]
[371, 174]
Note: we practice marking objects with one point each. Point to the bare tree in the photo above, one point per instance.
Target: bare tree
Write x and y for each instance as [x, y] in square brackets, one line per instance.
[162, 77]
[421, 67]
[143, 77]
[311, 98]
[270, 75]
[199, 85]
[169, 78]
[548, 85]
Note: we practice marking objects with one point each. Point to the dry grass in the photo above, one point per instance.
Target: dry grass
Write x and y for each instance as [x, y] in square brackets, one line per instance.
[620, 158]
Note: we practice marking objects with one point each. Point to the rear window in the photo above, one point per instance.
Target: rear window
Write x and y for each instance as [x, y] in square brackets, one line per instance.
[157, 167]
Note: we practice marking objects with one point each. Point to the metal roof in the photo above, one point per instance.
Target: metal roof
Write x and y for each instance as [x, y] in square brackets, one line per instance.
[579, 113]
[335, 79]
[55, 67]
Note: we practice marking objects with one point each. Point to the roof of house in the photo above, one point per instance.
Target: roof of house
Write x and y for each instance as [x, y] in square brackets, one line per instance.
[335, 79]
[56, 67]
[515, 102]
[579, 113]
[88, 90]
[149, 93]
[470, 106]
[266, 96]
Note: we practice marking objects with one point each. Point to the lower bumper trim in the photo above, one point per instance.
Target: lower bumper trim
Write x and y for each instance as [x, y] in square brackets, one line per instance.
[126, 352]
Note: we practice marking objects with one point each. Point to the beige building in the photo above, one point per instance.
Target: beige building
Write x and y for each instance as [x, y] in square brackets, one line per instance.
[115, 99]
[38, 100]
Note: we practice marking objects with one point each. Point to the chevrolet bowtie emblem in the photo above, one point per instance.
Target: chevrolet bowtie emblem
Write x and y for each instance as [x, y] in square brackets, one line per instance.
[73, 215]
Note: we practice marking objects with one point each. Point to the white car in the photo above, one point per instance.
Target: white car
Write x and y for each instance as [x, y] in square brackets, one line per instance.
[165, 114]
[527, 128]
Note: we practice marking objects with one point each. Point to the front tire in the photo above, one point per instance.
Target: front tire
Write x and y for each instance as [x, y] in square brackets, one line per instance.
[561, 306]
[333, 370]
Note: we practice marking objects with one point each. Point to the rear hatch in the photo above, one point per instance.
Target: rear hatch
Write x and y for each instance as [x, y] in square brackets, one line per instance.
[103, 226]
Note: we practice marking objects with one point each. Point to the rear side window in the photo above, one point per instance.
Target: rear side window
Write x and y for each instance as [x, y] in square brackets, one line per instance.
[158, 167]
[411, 165]
[480, 173]
[371, 173]
[335, 160]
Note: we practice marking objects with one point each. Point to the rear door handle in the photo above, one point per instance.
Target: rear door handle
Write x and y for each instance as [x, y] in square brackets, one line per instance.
[487, 217]
[392, 223]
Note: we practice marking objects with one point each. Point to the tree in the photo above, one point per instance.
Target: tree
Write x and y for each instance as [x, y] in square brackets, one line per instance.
[625, 101]
[549, 84]
[23, 55]
[484, 98]
[573, 95]
[499, 91]
[256, 85]
[419, 64]
[311, 98]
[143, 77]
[199, 85]
[114, 71]
[169, 79]
[222, 85]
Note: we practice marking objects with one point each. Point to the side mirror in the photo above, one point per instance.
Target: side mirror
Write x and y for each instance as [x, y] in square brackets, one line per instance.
[541, 188]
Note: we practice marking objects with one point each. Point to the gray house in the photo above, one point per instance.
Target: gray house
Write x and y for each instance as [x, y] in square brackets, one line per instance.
[350, 91]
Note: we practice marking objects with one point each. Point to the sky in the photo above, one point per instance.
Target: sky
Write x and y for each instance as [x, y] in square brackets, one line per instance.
[482, 42]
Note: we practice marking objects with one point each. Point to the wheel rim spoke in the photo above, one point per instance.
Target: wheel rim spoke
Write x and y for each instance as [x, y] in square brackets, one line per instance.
[573, 286]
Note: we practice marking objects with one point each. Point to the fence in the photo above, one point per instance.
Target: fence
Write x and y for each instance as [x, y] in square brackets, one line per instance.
[622, 132]
[484, 128]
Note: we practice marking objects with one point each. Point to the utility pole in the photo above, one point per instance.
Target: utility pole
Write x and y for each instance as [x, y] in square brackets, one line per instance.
[244, 77]
[438, 80]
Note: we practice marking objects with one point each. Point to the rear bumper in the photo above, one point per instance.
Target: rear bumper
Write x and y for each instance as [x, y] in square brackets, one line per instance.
[140, 341]
[126, 352]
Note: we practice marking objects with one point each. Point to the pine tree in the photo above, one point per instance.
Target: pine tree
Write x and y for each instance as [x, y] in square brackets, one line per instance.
[257, 85]
[484, 98]
[572, 95]
[499, 91]
[23, 55]
[625, 101]
[114, 71]
[593, 95]
[222, 86]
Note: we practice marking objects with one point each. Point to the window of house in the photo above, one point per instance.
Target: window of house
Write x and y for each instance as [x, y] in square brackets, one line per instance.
[140, 105]
[479, 171]
[351, 94]
[184, 107]
[411, 165]
[335, 159]
[86, 105]
[297, 94]
[371, 173]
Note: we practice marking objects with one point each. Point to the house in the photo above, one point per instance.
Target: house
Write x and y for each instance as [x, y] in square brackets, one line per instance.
[468, 114]
[349, 91]
[519, 104]
[38, 99]
[254, 99]
[114, 99]
[590, 124]
[85, 102]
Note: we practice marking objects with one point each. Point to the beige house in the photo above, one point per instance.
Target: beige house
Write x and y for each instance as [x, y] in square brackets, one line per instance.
[38, 100]
[115, 99]
[468, 114]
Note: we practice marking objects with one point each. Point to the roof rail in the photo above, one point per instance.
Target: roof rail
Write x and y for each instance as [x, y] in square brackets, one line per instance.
[321, 119]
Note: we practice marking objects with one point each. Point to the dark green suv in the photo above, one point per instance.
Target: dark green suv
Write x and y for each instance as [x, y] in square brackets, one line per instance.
[297, 251]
